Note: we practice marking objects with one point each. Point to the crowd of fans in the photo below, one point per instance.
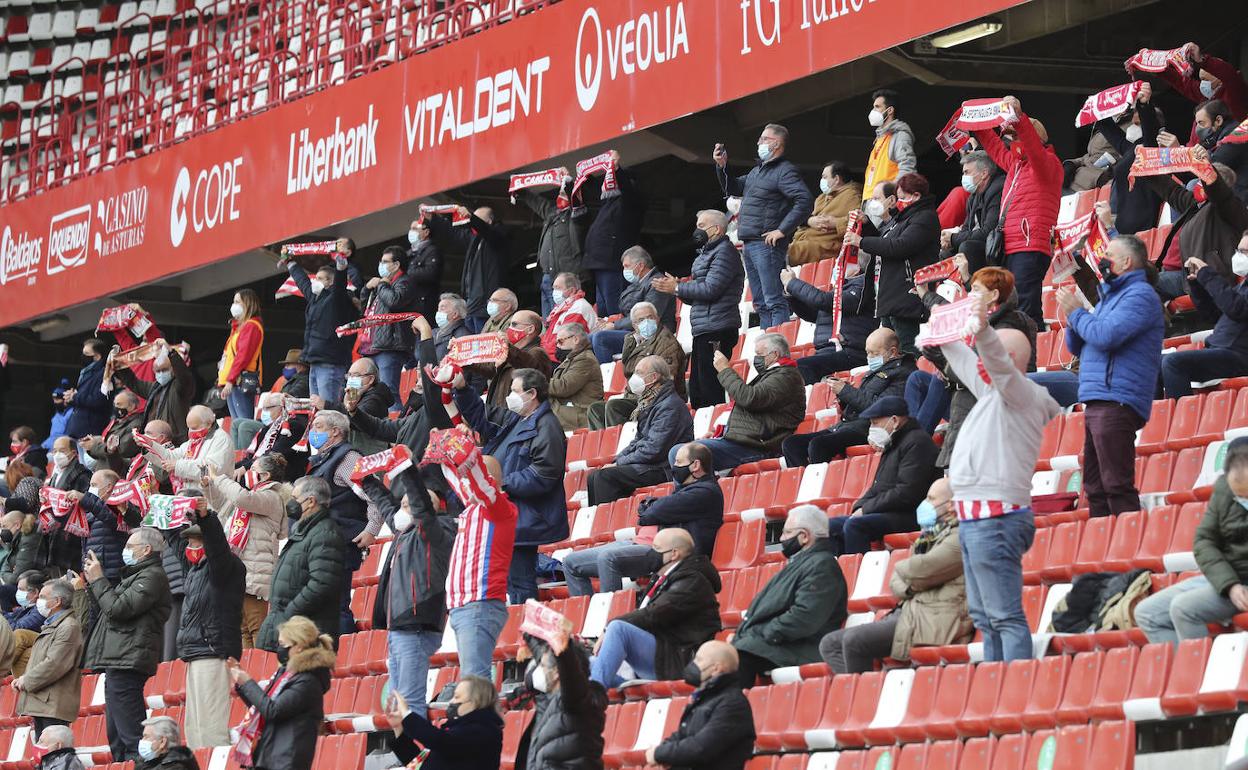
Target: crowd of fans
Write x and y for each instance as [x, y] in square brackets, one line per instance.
[259, 528]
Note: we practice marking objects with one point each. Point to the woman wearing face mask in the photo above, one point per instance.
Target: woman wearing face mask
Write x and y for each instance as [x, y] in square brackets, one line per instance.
[238, 375]
[566, 731]
[281, 727]
[470, 739]
[1135, 207]
[820, 237]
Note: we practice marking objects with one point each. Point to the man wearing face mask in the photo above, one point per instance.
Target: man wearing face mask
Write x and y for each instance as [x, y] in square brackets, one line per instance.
[815, 305]
[1119, 350]
[1211, 78]
[161, 747]
[801, 604]
[487, 256]
[639, 274]
[985, 183]
[570, 306]
[390, 346]
[892, 154]
[25, 616]
[109, 524]
[115, 447]
[500, 307]
[907, 467]
[524, 351]
[206, 443]
[576, 382]
[50, 688]
[424, 268]
[774, 202]
[1213, 123]
[675, 614]
[561, 246]
[170, 396]
[329, 306]
[650, 338]
[470, 739]
[91, 407]
[67, 472]
[1225, 353]
[1135, 208]
[820, 237]
[663, 421]
[278, 432]
[55, 750]
[365, 392]
[879, 208]
[450, 320]
[931, 595]
[717, 727]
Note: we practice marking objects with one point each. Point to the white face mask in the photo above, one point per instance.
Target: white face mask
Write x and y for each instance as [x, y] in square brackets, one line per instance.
[879, 437]
[873, 208]
[402, 520]
[318, 286]
[636, 384]
[236, 310]
[94, 491]
[413, 237]
[61, 459]
[825, 186]
[163, 377]
[1239, 263]
[539, 679]
[383, 269]
[764, 151]
[515, 402]
[1134, 133]
[41, 606]
[875, 118]
[1206, 89]
[557, 296]
[355, 382]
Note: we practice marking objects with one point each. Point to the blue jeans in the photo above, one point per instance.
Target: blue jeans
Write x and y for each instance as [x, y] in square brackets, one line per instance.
[242, 405]
[409, 664]
[1029, 268]
[623, 642]
[829, 360]
[1179, 370]
[608, 285]
[763, 264]
[327, 381]
[608, 344]
[928, 399]
[1183, 611]
[522, 578]
[477, 626]
[725, 454]
[855, 534]
[1063, 386]
[992, 558]
[390, 365]
[610, 563]
[548, 284]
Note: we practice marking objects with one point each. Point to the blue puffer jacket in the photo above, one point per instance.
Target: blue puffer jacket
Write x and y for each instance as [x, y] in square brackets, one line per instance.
[91, 408]
[714, 287]
[773, 197]
[1119, 343]
[663, 424]
[105, 538]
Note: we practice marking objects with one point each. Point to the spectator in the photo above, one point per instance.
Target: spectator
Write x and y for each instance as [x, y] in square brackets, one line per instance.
[206, 444]
[1184, 610]
[696, 504]
[470, 739]
[25, 616]
[369, 395]
[820, 237]
[528, 441]
[1119, 350]
[577, 380]
[500, 307]
[1212, 78]
[390, 345]
[358, 521]
[800, 605]
[889, 368]
[239, 375]
[484, 242]
[650, 339]
[1135, 207]
[713, 291]
[663, 421]
[211, 626]
[639, 274]
[58, 550]
[816, 306]
[911, 241]
[892, 155]
[930, 590]
[161, 747]
[50, 689]
[308, 578]
[451, 319]
[110, 524]
[279, 433]
[880, 208]
[56, 749]
[524, 351]
[1090, 170]
[774, 202]
[61, 412]
[1033, 192]
[1225, 353]
[91, 407]
[570, 306]
[717, 727]
[328, 307]
[125, 642]
[67, 472]
[567, 725]
[616, 228]
[22, 448]
[985, 183]
[26, 538]
[170, 396]
[675, 615]
[256, 516]
[424, 268]
[1002, 432]
[285, 717]
[294, 374]
[561, 245]
[1214, 123]
[115, 447]
[907, 468]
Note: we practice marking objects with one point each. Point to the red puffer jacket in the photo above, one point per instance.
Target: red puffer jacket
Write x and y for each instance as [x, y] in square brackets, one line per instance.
[1034, 203]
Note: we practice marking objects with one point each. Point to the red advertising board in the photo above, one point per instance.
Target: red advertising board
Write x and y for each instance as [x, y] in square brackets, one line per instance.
[563, 78]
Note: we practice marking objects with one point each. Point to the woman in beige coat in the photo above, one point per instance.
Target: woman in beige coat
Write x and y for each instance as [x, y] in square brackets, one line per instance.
[820, 238]
[51, 687]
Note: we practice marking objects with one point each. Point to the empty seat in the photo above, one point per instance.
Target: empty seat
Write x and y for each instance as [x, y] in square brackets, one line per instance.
[835, 712]
[807, 711]
[1046, 692]
[942, 721]
[780, 705]
[1186, 676]
[976, 754]
[1093, 544]
[981, 700]
[1223, 685]
[862, 710]
[1081, 688]
[1113, 746]
[892, 706]
[1117, 669]
[922, 697]
[1124, 544]
[1015, 693]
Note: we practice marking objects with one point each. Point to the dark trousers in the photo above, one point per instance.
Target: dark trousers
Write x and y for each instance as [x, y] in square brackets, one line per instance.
[751, 667]
[607, 414]
[821, 446]
[1109, 457]
[124, 712]
[607, 484]
[855, 650]
[827, 361]
[352, 558]
[855, 534]
[704, 387]
[1029, 268]
[1179, 370]
[928, 399]
[170, 647]
[44, 722]
[608, 285]
[907, 331]
[522, 577]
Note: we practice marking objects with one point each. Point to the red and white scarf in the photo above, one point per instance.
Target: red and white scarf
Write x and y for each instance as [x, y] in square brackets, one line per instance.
[975, 510]
[114, 319]
[126, 492]
[1155, 60]
[1089, 233]
[443, 376]
[392, 462]
[238, 527]
[981, 114]
[1156, 161]
[290, 289]
[946, 268]
[448, 209]
[1238, 136]
[1108, 103]
[370, 322]
[313, 247]
[57, 509]
[252, 726]
[551, 176]
[951, 138]
[605, 164]
[852, 225]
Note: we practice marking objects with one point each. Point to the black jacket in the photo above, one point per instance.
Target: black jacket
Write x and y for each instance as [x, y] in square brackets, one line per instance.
[714, 287]
[566, 731]
[424, 268]
[486, 256]
[325, 313]
[212, 612]
[397, 297]
[375, 401]
[983, 209]
[642, 290]
[716, 730]
[890, 380]
[443, 335]
[1135, 208]
[561, 245]
[130, 628]
[91, 407]
[907, 469]
[471, 742]
[682, 614]
[815, 305]
[292, 716]
[1226, 306]
[911, 240]
[661, 425]
[296, 461]
[176, 758]
[169, 402]
[59, 550]
[773, 197]
[104, 537]
[697, 506]
[617, 225]
[307, 579]
[298, 386]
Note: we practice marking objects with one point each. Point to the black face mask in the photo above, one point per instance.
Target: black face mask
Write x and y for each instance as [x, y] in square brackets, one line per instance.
[452, 711]
[283, 655]
[681, 473]
[790, 547]
[700, 238]
[1107, 269]
[293, 509]
[654, 561]
[561, 355]
[692, 674]
[6, 536]
[120, 413]
[760, 364]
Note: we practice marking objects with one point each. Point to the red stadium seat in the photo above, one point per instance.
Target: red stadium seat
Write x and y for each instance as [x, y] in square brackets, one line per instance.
[862, 710]
[1117, 669]
[1009, 752]
[622, 733]
[1113, 746]
[780, 703]
[942, 755]
[1183, 422]
[1072, 436]
[1046, 693]
[922, 698]
[1180, 696]
[835, 712]
[1124, 544]
[1093, 544]
[1187, 466]
[1157, 472]
[976, 754]
[807, 711]
[1081, 688]
[1015, 694]
[981, 700]
[1214, 418]
[1059, 562]
[942, 720]
[1155, 539]
[1036, 557]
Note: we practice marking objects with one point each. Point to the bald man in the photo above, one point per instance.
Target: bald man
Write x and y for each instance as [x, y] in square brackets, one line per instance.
[524, 351]
[717, 727]
[207, 445]
[675, 614]
[990, 474]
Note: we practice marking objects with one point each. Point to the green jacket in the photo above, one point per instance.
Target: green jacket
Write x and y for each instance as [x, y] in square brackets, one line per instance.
[130, 630]
[766, 410]
[797, 607]
[1221, 543]
[308, 578]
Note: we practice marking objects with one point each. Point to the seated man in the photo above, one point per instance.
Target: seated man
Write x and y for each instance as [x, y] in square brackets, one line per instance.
[857, 322]
[1184, 610]
[907, 467]
[651, 338]
[25, 616]
[1226, 350]
[162, 747]
[279, 432]
[765, 411]
[577, 380]
[663, 421]
[717, 727]
[452, 322]
[56, 749]
[930, 590]
[696, 504]
[569, 306]
[889, 369]
[801, 604]
[502, 304]
[639, 272]
[674, 615]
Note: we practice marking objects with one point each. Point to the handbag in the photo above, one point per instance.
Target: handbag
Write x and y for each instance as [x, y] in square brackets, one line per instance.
[994, 243]
[249, 383]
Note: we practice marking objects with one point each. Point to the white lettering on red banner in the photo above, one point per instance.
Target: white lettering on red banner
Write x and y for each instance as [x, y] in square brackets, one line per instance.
[21, 255]
[313, 162]
[948, 323]
[122, 221]
[632, 46]
[69, 236]
[495, 101]
[212, 200]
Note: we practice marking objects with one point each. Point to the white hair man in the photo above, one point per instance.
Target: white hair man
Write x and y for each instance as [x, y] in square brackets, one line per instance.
[206, 444]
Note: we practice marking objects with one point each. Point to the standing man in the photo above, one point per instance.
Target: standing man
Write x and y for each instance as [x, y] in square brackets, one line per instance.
[1119, 348]
[328, 307]
[524, 351]
[616, 227]
[169, 396]
[115, 447]
[486, 257]
[424, 268]
[50, 689]
[451, 320]
[774, 203]
[92, 408]
[390, 345]
[206, 443]
[892, 155]
[560, 247]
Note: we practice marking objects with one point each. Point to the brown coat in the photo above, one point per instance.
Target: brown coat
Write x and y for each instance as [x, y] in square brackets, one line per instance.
[575, 384]
[664, 344]
[932, 590]
[529, 357]
[811, 245]
[52, 684]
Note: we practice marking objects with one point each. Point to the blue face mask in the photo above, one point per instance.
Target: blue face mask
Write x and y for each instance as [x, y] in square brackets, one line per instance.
[926, 515]
[648, 328]
[630, 276]
[266, 418]
[413, 237]
[556, 295]
[440, 318]
[875, 363]
[317, 438]
[968, 183]
[163, 378]
[289, 372]
[1242, 501]
[491, 308]
[127, 557]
